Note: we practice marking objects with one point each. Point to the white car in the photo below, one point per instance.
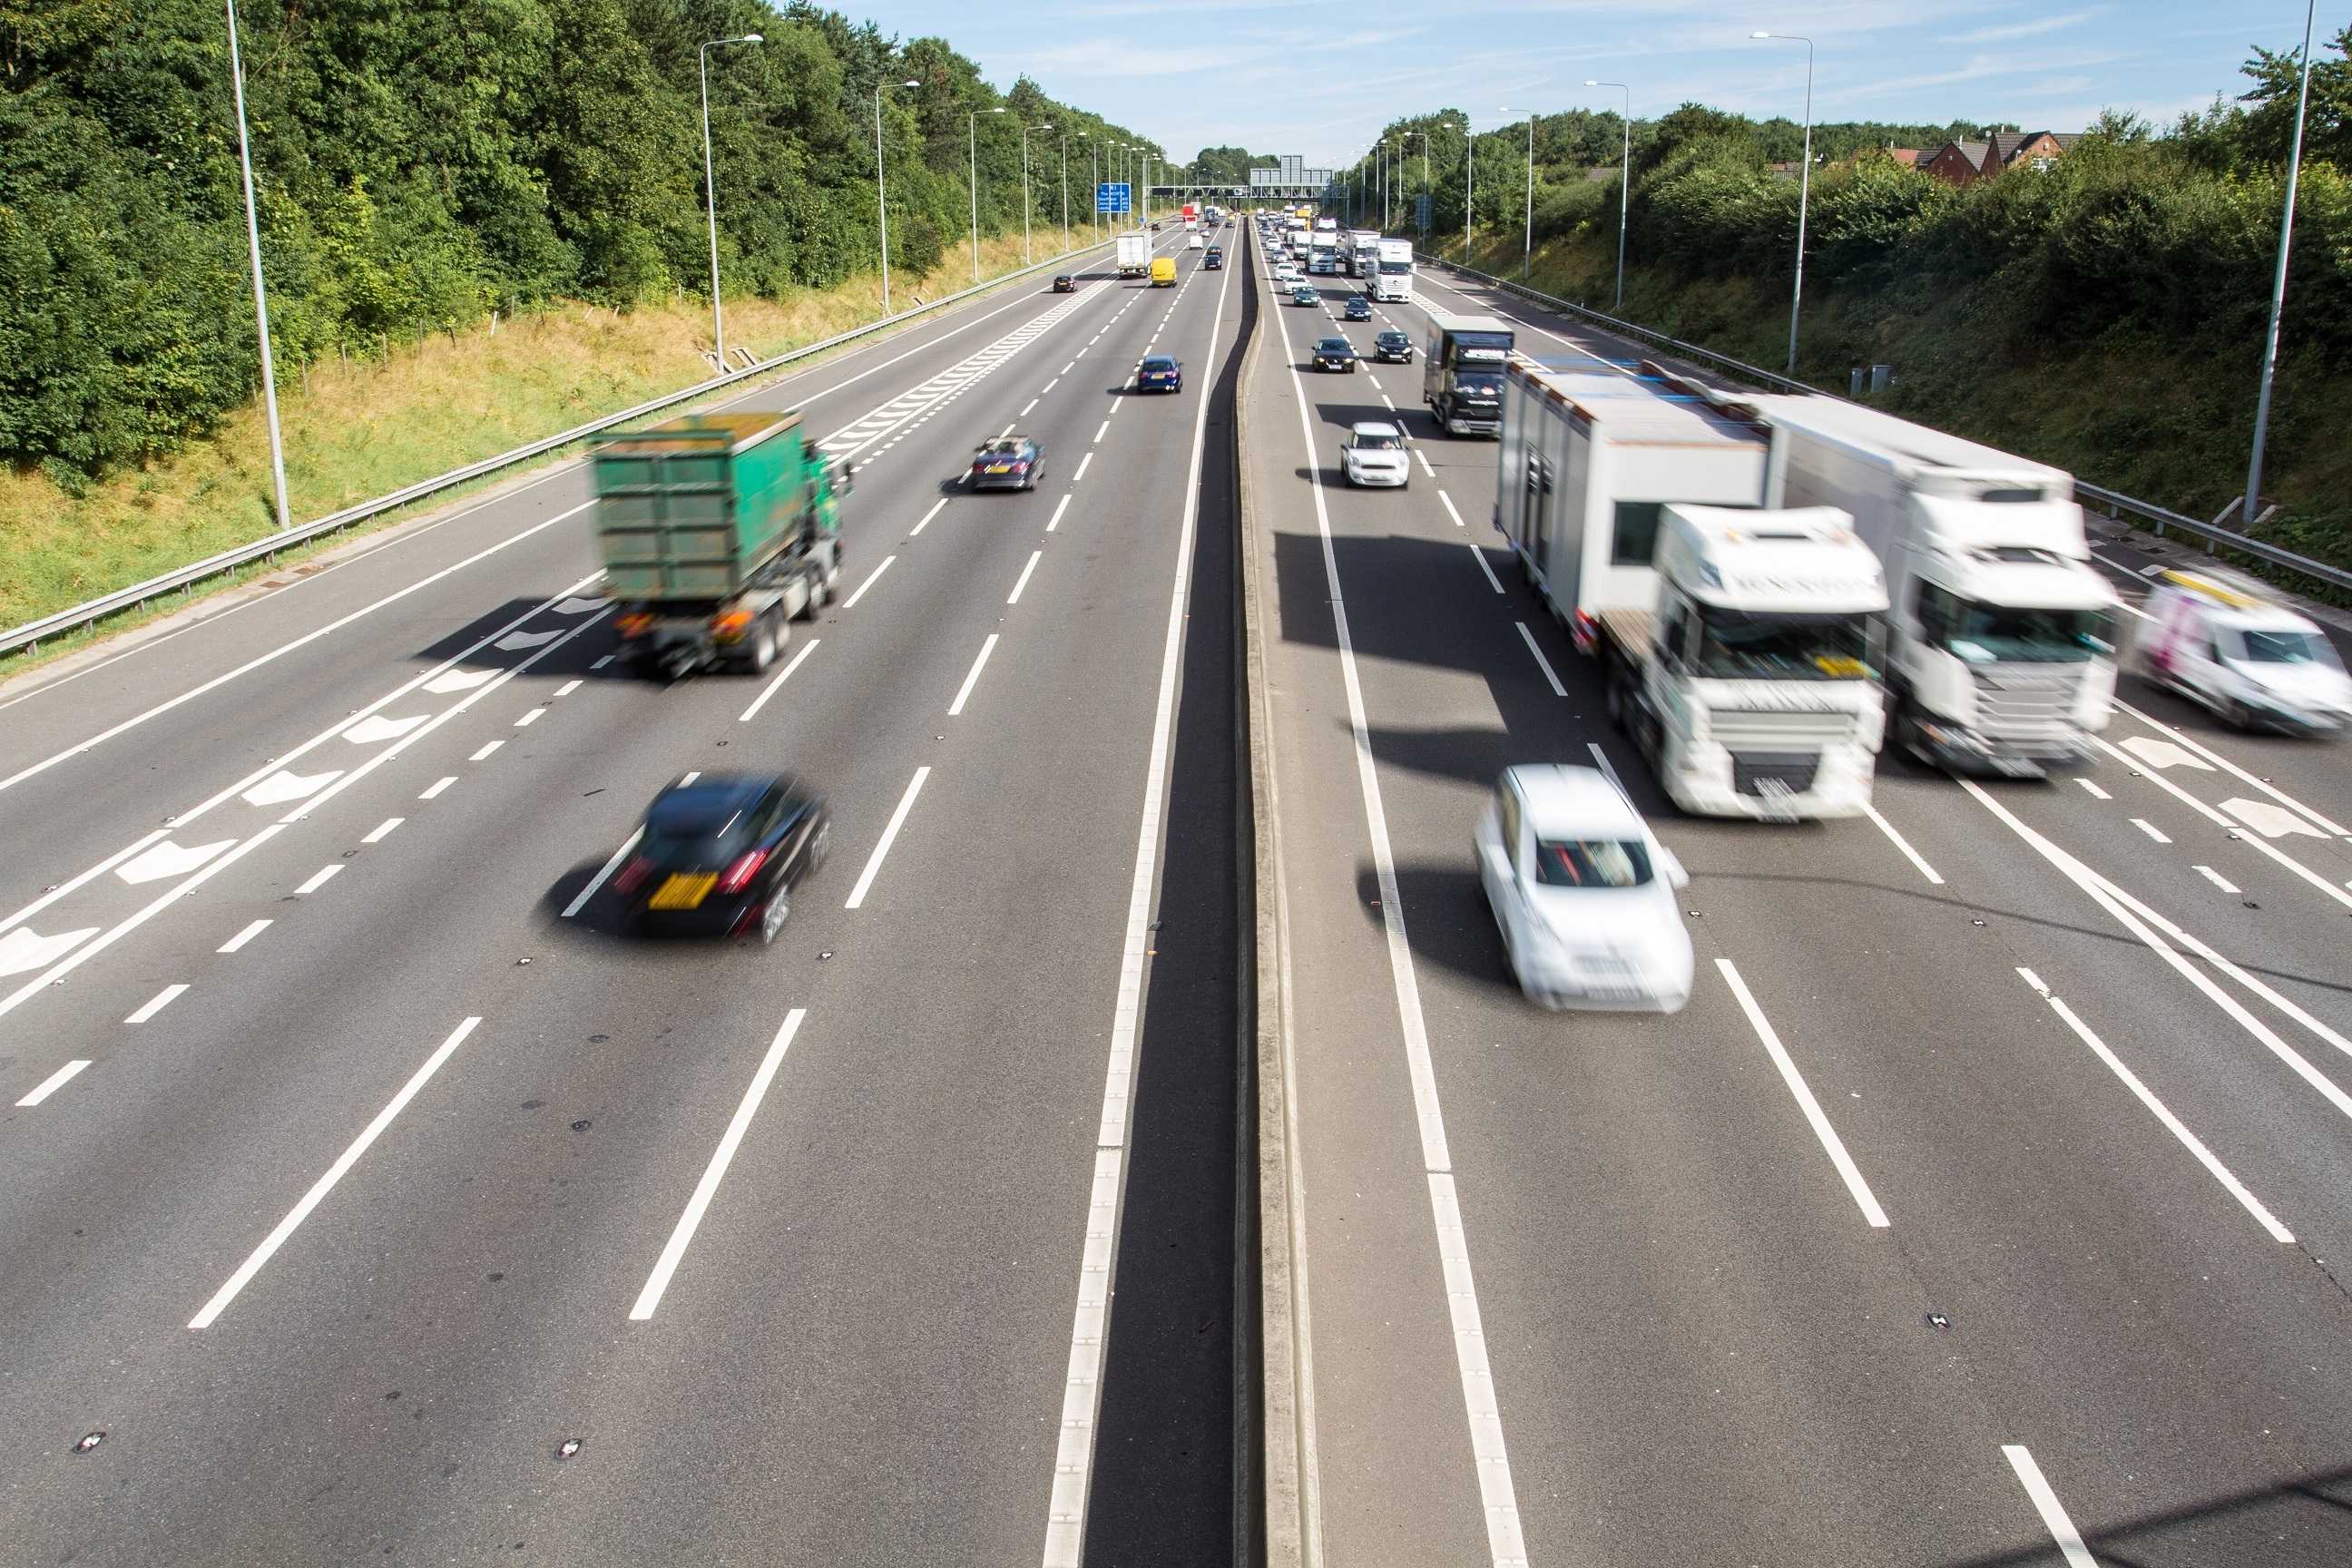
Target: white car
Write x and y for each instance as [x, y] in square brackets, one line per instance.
[2219, 640]
[1582, 892]
[1195, 242]
[1375, 454]
[1287, 275]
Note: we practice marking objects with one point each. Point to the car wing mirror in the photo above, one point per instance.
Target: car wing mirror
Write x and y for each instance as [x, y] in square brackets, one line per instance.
[1498, 859]
[1676, 877]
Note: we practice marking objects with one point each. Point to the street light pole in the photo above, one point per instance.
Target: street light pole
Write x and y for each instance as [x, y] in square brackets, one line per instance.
[1624, 186]
[261, 294]
[1804, 188]
[1065, 191]
[2251, 509]
[1026, 257]
[710, 190]
[881, 194]
[1527, 250]
[972, 140]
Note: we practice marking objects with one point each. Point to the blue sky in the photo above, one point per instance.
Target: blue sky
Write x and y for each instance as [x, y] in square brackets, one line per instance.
[1318, 78]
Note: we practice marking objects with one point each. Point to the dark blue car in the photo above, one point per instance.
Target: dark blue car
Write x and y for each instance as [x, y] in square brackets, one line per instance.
[1157, 372]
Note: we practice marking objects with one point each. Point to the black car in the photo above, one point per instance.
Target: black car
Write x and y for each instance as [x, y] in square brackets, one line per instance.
[1214, 259]
[720, 855]
[1359, 308]
[1392, 347]
[1335, 353]
[1007, 463]
[1159, 372]
[1065, 284]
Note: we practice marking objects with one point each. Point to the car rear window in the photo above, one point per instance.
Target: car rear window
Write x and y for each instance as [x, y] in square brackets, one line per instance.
[695, 829]
[1591, 863]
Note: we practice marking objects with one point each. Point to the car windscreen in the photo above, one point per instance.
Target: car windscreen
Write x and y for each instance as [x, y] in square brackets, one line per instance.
[1004, 448]
[2287, 648]
[1592, 862]
[1158, 362]
[1378, 444]
[1333, 346]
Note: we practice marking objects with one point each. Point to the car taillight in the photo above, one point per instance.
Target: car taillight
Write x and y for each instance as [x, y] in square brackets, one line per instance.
[633, 874]
[1021, 465]
[741, 870]
[731, 625]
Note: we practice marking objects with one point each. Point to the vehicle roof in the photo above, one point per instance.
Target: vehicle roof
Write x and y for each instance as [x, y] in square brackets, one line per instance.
[1006, 443]
[713, 800]
[1562, 799]
[1393, 332]
[1159, 359]
[1874, 428]
[2233, 599]
[1334, 338]
[1637, 409]
[1375, 427]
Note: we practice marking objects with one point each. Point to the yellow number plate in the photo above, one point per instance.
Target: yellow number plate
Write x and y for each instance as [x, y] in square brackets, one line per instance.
[684, 892]
[1000, 469]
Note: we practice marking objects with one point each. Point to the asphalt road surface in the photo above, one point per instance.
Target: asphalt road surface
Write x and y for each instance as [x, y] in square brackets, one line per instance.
[366, 1196]
[1989, 1203]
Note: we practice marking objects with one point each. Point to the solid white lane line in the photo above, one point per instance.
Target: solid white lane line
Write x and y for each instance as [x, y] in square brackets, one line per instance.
[436, 787]
[335, 1172]
[1916, 860]
[889, 836]
[956, 707]
[2150, 828]
[1056, 520]
[567, 689]
[1830, 1141]
[2095, 791]
[782, 675]
[483, 755]
[63, 888]
[319, 879]
[156, 1004]
[1082, 1382]
[241, 938]
[2180, 738]
[1082, 467]
[580, 900]
[1015, 596]
[2045, 1503]
[1449, 508]
[383, 830]
[2113, 899]
[54, 1082]
[1101, 429]
[682, 1233]
[851, 602]
[2173, 1125]
[1506, 1545]
[928, 516]
[2218, 879]
[305, 640]
[1480, 557]
[1542, 662]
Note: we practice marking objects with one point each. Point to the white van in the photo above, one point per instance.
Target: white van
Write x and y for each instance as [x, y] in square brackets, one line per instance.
[2218, 639]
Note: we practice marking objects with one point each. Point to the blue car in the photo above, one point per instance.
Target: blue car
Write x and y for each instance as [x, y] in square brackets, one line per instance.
[1157, 372]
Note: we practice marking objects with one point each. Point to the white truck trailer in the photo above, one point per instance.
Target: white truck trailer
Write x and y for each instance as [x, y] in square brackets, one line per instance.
[1393, 282]
[2001, 642]
[1134, 254]
[1734, 640]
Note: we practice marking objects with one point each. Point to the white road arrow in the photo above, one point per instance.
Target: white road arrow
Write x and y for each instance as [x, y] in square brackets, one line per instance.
[282, 786]
[458, 680]
[577, 607]
[515, 642]
[168, 859]
[2270, 821]
[25, 948]
[2158, 753]
[375, 727]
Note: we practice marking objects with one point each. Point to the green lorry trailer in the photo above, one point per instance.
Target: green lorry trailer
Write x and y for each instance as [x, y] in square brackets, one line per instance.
[717, 532]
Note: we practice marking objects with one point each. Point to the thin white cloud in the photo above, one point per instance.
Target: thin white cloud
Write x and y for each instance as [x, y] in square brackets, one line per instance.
[2035, 28]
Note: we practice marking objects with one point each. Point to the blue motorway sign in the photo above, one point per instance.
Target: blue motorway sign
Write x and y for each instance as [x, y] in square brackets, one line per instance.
[1113, 199]
[1421, 212]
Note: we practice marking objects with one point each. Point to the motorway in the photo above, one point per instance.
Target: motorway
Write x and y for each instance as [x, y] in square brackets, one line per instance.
[365, 1196]
[1988, 1204]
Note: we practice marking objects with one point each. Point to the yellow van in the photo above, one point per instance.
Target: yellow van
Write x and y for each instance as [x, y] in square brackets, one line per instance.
[1163, 270]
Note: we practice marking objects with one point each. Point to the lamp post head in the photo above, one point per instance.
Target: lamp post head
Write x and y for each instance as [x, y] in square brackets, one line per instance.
[1759, 35]
[751, 38]
[910, 84]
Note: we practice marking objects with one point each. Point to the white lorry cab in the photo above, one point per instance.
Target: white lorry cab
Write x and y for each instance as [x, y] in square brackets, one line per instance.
[1734, 640]
[2222, 641]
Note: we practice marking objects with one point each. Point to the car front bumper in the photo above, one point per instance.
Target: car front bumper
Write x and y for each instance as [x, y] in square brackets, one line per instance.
[1378, 479]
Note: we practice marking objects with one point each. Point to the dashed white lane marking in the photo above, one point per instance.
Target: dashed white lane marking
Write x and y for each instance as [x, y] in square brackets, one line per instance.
[851, 602]
[1082, 467]
[602, 662]
[1830, 1141]
[1065, 370]
[1917, 860]
[674, 1249]
[1384, 398]
[241, 938]
[580, 900]
[484, 754]
[782, 675]
[2150, 828]
[567, 689]
[1025, 411]
[1056, 520]
[383, 830]
[2218, 879]
[1480, 557]
[1542, 662]
[1015, 596]
[156, 1004]
[890, 834]
[1051, 384]
[1006, 431]
[1425, 469]
[1102, 429]
[2045, 1503]
[1449, 508]
[928, 516]
[261, 1255]
[319, 879]
[527, 720]
[433, 789]
[2094, 792]
[1601, 760]
[955, 709]
[54, 1082]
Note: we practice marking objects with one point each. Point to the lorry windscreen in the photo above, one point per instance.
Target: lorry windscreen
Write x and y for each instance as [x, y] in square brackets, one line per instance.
[2007, 634]
[1396, 267]
[1741, 644]
[1479, 383]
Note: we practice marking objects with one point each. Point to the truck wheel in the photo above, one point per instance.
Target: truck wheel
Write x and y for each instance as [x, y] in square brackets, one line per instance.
[764, 644]
[819, 591]
[1619, 704]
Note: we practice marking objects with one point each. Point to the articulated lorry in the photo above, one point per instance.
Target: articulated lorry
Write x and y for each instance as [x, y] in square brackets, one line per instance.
[2001, 645]
[1734, 640]
[1461, 372]
[1323, 252]
[717, 532]
[1134, 254]
[1392, 283]
[1360, 252]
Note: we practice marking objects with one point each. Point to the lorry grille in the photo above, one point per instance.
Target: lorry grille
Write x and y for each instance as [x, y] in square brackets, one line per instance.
[1772, 774]
[1738, 727]
[2026, 701]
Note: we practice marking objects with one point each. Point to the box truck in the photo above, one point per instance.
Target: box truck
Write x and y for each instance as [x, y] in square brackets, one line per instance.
[1733, 641]
[1461, 372]
[2001, 640]
[1134, 254]
[717, 530]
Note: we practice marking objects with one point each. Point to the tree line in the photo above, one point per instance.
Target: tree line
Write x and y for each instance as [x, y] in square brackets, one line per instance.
[420, 165]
